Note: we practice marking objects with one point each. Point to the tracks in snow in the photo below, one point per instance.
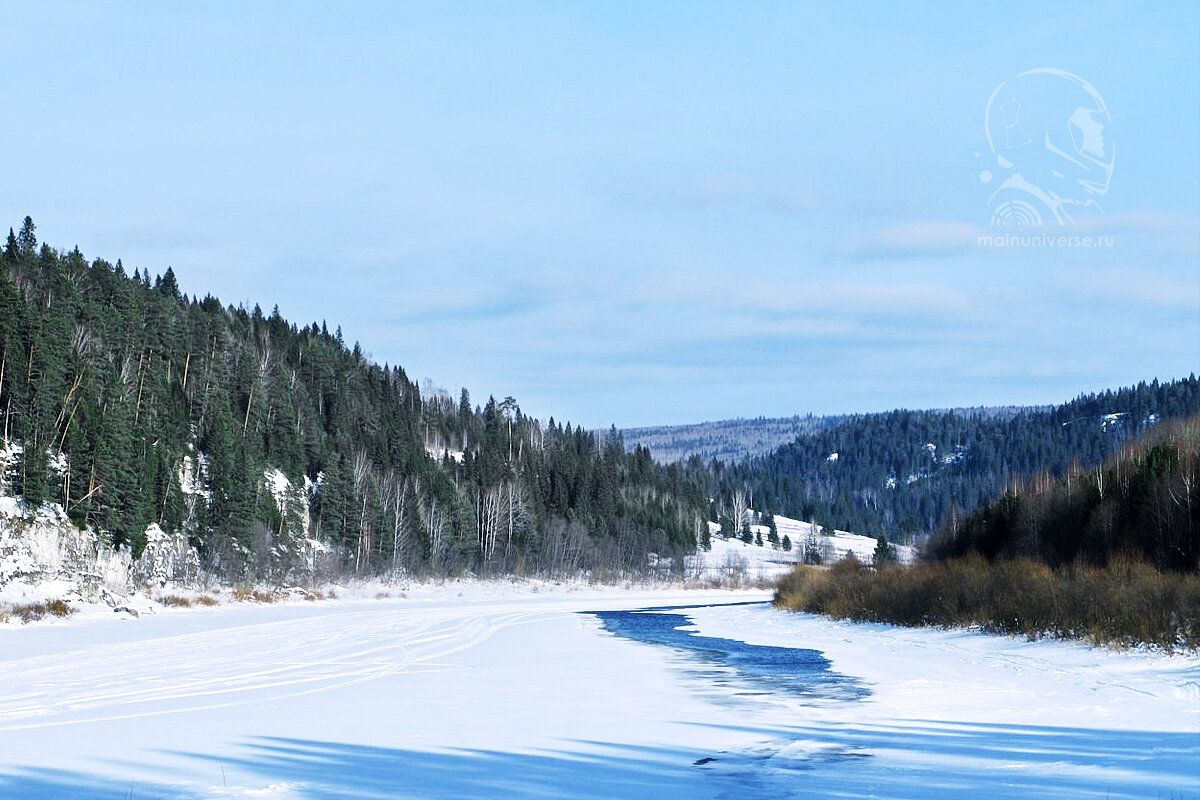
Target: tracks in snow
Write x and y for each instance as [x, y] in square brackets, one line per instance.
[243, 664]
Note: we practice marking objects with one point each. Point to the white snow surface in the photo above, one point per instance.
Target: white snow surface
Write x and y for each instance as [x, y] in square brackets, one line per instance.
[727, 555]
[731, 559]
[843, 543]
[477, 689]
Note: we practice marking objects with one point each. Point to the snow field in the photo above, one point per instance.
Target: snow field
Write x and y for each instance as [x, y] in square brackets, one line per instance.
[732, 557]
[474, 689]
[842, 542]
[173, 705]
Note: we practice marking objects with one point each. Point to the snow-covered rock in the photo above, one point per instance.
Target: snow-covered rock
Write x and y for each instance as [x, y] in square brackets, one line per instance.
[44, 556]
[291, 501]
[293, 542]
[167, 559]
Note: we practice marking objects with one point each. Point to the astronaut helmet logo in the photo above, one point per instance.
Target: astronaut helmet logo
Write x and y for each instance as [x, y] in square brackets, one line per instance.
[1050, 136]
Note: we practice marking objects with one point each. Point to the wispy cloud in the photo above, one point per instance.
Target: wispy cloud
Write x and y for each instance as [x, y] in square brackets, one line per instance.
[1168, 234]
[909, 240]
[732, 295]
[1137, 289]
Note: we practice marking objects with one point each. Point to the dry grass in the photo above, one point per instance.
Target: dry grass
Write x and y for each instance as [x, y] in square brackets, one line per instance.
[1125, 603]
[245, 594]
[734, 581]
[29, 612]
[59, 608]
[181, 601]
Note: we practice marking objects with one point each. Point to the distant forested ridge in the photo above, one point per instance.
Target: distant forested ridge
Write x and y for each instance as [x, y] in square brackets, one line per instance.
[734, 440]
[729, 440]
[277, 446]
[901, 474]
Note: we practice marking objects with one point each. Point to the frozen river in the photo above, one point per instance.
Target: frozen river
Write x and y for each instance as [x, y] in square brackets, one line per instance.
[503, 691]
[731, 668]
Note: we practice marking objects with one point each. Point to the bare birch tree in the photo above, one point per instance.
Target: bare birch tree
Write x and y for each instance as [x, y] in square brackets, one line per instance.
[362, 475]
[739, 506]
[395, 492]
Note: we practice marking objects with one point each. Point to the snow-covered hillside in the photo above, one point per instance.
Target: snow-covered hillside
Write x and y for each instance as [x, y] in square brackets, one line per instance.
[838, 543]
[732, 560]
[733, 557]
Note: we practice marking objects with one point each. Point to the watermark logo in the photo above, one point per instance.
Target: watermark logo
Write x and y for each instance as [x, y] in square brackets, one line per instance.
[1049, 132]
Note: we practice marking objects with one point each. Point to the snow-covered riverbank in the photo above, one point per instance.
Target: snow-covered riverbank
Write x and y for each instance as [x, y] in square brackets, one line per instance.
[954, 713]
[498, 690]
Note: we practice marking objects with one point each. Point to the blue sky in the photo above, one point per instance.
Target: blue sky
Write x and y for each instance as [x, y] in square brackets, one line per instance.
[627, 212]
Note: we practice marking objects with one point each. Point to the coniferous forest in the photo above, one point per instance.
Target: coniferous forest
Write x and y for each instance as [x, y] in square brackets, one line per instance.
[275, 444]
[1143, 504]
[902, 474]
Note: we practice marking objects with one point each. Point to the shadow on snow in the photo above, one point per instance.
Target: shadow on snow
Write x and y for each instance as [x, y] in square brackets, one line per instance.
[932, 760]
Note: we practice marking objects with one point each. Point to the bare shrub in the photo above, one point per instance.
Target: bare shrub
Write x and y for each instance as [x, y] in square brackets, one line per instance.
[1126, 603]
[30, 612]
[246, 594]
[59, 608]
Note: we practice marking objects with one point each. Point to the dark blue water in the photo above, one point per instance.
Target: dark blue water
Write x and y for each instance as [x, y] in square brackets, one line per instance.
[748, 669]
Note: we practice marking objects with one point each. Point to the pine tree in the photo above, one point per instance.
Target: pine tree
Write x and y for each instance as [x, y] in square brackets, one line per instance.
[26, 241]
[885, 552]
